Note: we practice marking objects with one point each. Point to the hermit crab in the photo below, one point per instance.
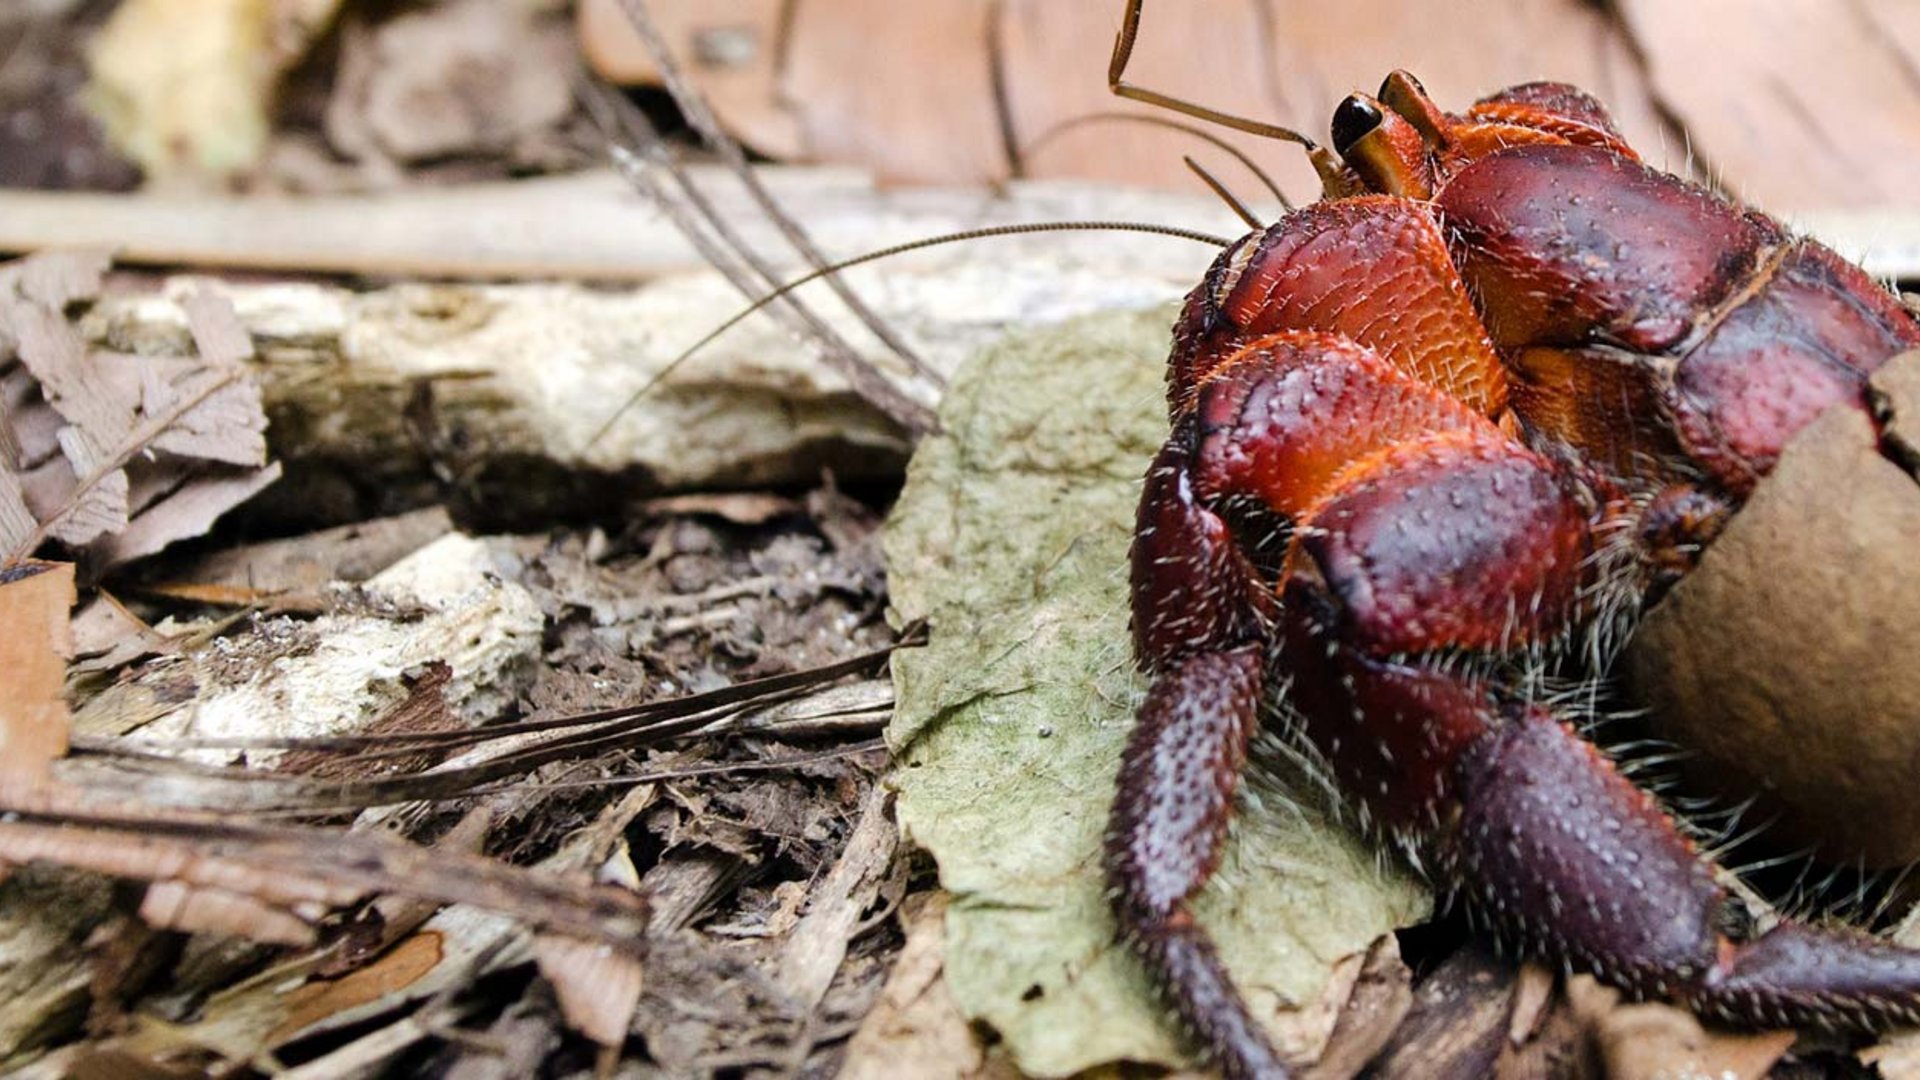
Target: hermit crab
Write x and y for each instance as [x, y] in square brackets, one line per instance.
[1436, 440]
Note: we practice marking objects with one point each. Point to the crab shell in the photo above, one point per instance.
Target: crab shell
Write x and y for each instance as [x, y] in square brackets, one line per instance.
[1788, 661]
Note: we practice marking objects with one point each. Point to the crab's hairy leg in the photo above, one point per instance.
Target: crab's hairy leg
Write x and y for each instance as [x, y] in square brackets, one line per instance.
[1463, 543]
[1199, 628]
[1203, 622]
[1579, 865]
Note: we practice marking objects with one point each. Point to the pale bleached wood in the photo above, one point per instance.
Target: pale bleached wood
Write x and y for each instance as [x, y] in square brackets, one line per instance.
[589, 225]
[529, 373]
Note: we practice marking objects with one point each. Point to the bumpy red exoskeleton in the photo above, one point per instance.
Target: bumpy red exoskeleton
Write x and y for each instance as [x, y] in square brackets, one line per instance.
[1499, 386]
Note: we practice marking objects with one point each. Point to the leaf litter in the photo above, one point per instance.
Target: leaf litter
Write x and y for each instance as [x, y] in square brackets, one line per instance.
[752, 824]
[113, 455]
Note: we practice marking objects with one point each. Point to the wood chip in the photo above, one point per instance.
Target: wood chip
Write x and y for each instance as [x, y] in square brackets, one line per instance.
[35, 641]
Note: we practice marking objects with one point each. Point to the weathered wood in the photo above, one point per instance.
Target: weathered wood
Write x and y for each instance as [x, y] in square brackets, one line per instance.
[1054, 57]
[1794, 105]
[732, 47]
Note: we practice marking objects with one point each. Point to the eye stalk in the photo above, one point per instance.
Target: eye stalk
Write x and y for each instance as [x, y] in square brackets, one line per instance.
[1353, 120]
[1385, 150]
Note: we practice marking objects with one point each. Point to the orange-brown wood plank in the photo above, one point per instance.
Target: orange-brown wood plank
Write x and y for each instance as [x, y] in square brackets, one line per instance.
[1796, 105]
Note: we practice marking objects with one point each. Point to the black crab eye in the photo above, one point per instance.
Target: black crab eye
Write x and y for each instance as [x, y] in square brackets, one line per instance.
[1352, 121]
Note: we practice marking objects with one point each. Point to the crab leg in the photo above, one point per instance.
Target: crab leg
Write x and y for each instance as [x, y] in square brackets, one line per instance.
[1429, 552]
[1419, 574]
[1199, 629]
[1577, 864]
[1203, 619]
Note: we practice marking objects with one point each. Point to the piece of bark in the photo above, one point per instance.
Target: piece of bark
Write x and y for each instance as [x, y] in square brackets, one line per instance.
[507, 387]
[349, 553]
[818, 945]
[1457, 1026]
[35, 641]
[1794, 107]
[46, 915]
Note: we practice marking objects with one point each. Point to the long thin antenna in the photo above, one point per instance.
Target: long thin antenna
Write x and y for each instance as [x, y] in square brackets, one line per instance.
[888, 252]
[707, 230]
[699, 116]
[1233, 201]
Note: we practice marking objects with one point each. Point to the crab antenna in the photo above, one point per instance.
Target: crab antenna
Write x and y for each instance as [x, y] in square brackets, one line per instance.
[1233, 201]
[888, 252]
[1323, 160]
[1064, 126]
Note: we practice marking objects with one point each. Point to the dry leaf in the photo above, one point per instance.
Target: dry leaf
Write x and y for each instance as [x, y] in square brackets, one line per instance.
[119, 454]
[401, 966]
[463, 77]
[598, 987]
[35, 641]
[916, 1029]
[1654, 1041]
[1374, 1006]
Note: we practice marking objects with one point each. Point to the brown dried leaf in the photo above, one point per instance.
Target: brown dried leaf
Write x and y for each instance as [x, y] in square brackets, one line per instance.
[598, 988]
[1532, 994]
[35, 641]
[16, 521]
[456, 78]
[193, 429]
[1374, 1005]
[916, 1029]
[56, 278]
[190, 511]
[1655, 1041]
[401, 966]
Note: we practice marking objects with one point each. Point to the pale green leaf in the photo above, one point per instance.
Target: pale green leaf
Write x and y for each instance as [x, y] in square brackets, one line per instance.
[1011, 537]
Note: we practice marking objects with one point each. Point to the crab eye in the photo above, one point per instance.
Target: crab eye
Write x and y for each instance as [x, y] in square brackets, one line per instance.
[1352, 121]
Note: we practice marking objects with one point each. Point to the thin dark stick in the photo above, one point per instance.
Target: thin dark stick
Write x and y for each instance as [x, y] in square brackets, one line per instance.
[694, 107]
[627, 125]
[1233, 201]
